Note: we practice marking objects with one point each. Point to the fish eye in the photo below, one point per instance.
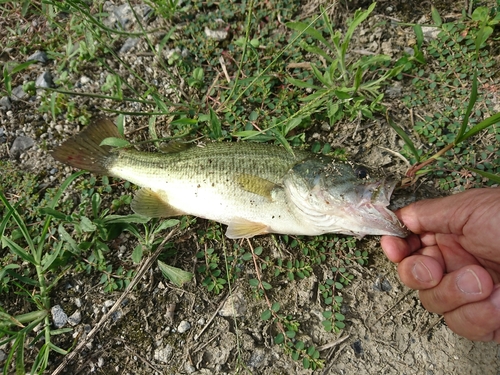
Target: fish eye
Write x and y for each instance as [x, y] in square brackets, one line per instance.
[361, 172]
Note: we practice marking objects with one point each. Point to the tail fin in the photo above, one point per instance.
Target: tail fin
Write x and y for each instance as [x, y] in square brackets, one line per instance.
[84, 151]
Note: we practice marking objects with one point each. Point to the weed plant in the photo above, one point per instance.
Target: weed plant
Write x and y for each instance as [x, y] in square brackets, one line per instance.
[264, 101]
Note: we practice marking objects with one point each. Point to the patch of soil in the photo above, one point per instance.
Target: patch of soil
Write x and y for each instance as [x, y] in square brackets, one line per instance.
[161, 329]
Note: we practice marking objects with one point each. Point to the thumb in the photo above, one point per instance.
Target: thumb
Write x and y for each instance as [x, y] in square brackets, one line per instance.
[448, 214]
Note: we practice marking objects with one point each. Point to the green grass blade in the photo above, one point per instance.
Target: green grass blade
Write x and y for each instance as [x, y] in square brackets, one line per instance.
[482, 125]
[19, 251]
[20, 223]
[63, 187]
[405, 138]
[491, 176]
[472, 101]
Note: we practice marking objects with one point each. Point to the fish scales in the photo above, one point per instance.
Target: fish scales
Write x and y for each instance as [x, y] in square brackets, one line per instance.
[253, 188]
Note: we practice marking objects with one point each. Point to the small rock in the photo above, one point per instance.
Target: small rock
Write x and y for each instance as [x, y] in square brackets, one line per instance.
[217, 35]
[3, 356]
[430, 32]
[21, 144]
[258, 358]
[201, 321]
[234, 306]
[84, 80]
[129, 44]
[358, 349]
[75, 318]
[189, 368]
[18, 93]
[39, 56]
[394, 91]
[44, 80]
[184, 326]
[100, 361]
[382, 284]
[117, 315]
[108, 303]
[163, 354]
[59, 317]
[5, 102]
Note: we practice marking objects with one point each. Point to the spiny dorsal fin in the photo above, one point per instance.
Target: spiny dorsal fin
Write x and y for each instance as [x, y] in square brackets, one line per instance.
[242, 228]
[153, 204]
[256, 185]
[174, 146]
[84, 151]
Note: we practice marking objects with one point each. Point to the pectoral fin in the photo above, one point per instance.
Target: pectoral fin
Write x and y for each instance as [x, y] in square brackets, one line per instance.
[242, 228]
[256, 185]
[153, 204]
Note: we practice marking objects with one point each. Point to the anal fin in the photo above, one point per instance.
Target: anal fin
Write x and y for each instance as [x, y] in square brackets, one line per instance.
[242, 228]
[153, 204]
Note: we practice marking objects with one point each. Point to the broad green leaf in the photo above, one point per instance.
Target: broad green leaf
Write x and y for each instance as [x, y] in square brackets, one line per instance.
[175, 275]
[137, 254]
[115, 142]
[266, 315]
[435, 16]
[65, 236]
[165, 224]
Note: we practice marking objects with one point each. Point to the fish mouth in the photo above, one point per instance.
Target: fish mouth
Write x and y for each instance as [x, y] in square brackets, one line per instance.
[373, 206]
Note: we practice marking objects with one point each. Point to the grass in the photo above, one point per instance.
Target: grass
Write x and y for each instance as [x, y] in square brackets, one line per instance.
[261, 85]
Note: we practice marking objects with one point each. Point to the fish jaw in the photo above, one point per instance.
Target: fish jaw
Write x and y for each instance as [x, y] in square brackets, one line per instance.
[373, 213]
[341, 202]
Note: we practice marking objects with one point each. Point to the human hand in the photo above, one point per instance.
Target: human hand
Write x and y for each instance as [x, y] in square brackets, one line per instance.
[453, 259]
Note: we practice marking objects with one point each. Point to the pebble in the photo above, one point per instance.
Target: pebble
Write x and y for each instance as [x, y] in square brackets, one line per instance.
[5, 103]
[430, 32]
[163, 354]
[184, 326]
[189, 368]
[21, 144]
[44, 80]
[258, 358]
[234, 306]
[129, 44]
[59, 317]
[3, 356]
[18, 93]
[217, 35]
[382, 284]
[39, 56]
[75, 318]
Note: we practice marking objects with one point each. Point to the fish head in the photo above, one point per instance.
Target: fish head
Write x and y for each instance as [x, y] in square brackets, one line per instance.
[342, 197]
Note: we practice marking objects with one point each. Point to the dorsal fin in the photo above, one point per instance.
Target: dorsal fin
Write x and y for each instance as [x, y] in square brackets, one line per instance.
[174, 146]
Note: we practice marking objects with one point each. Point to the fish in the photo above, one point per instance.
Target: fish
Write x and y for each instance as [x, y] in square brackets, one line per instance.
[253, 188]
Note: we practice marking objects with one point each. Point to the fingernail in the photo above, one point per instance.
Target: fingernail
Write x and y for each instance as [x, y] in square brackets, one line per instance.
[421, 272]
[495, 297]
[468, 283]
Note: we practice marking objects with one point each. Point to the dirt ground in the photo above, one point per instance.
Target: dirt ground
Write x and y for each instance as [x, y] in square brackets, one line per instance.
[387, 330]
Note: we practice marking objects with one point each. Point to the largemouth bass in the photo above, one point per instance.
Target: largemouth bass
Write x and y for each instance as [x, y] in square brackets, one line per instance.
[252, 188]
